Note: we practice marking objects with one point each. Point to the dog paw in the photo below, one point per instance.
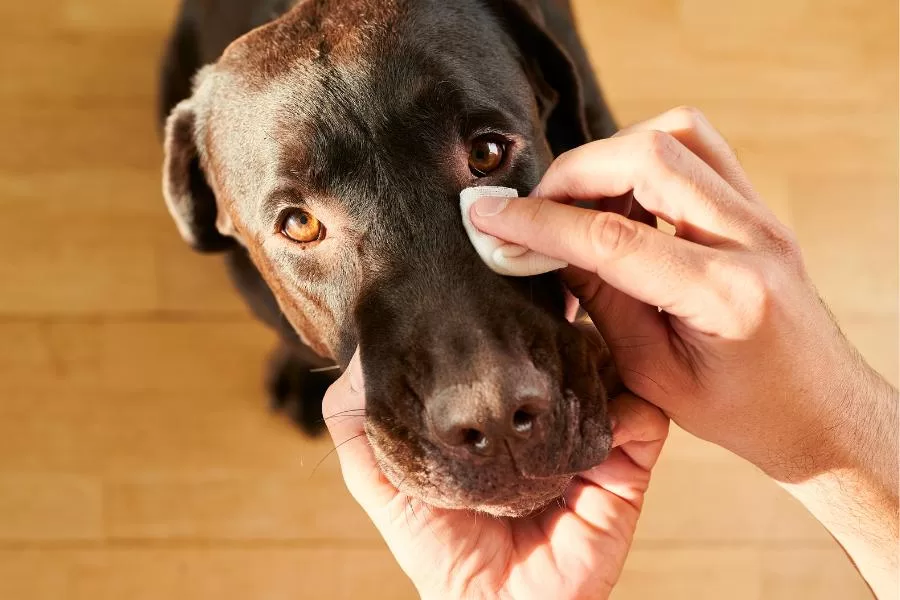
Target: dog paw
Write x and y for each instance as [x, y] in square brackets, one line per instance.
[297, 390]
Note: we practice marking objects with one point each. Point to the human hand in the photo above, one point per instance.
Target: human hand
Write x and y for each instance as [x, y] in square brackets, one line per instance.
[742, 352]
[574, 549]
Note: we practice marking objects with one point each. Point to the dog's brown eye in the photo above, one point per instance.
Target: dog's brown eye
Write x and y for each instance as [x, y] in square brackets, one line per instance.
[485, 155]
[301, 226]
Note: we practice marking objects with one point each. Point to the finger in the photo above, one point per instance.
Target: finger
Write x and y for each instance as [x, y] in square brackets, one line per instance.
[640, 429]
[614, 490]
[636, 334]
[342, 407]
[667, 179]
[691, 127]
[612, 494]
[655, 268]
[636, 420]
[572, 305]
[621, 320]
[611, 513]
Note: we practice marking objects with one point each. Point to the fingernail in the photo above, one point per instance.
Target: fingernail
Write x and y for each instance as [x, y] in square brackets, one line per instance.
[511, 250]
[489, 206]
[355, 374]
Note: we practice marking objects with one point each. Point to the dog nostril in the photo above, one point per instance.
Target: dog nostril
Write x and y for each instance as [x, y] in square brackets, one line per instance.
[475, 439]
[523, 422]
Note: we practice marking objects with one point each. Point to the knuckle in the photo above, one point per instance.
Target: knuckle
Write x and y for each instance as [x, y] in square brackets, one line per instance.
[535, 216]
[687, 117]
[662, 149]
[612, 234]
[331, 400]
[562, 163]
[748, 297]
[555, 176]
[782, 241]
[537, 212]
[555, 167]
[562, 159]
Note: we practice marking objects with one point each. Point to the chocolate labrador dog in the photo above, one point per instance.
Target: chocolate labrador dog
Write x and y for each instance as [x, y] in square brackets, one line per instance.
[321, 145]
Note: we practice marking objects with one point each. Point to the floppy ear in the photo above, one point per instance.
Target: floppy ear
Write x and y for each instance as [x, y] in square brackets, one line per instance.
[571, 119]
[553, 75]
[191, 201]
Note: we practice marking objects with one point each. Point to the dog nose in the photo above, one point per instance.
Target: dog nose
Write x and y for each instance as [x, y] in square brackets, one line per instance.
[481, 421]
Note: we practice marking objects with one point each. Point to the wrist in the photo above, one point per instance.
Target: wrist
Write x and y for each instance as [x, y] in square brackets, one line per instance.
[850, 483]
[836, 415]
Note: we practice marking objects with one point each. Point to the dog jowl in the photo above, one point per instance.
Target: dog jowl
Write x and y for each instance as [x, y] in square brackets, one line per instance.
[322, 148]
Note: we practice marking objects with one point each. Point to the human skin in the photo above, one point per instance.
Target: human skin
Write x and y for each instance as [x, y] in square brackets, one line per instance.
[573, 549]
[720, 324]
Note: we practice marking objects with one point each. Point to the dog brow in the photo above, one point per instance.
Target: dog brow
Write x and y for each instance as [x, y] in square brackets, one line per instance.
[286, 194]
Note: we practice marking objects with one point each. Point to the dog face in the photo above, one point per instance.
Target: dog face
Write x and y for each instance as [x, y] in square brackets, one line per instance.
[333, 144]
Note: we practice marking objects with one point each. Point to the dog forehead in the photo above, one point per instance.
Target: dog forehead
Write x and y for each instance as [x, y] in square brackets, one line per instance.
[313, 30]
[331, 84]
[273, 79]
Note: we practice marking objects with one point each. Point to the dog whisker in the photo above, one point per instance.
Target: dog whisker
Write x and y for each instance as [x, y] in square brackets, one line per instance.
[324, 369]
[474, 526]
[354, 411]
[349, 413]
[409, 507]
[333, 450]
[543, 510]
[429, 518]
[412, 507]
[348, 410]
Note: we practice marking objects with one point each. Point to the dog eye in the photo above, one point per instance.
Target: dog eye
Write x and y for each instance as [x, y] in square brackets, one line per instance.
[485, 155]
[302, 227]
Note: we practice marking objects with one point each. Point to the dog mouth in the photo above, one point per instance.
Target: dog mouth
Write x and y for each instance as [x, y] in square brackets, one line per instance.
[445, 381]
[512, 483]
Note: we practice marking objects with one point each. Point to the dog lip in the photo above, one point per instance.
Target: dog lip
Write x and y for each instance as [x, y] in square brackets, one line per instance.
[564, 456]
[524, 474]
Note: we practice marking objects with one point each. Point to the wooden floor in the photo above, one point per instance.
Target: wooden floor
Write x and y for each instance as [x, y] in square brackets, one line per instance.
[137, 459]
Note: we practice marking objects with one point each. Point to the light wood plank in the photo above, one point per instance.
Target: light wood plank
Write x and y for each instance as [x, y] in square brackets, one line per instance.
[700, 501]
[38, 506]
[318, 573]
[739, 572]
[137, 459]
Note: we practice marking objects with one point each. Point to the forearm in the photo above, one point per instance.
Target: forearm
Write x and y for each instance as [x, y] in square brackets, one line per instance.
[854, 491]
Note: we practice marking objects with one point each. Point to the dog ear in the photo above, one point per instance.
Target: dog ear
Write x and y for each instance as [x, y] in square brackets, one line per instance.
[191, 201]
[553, 75]
[560, 90]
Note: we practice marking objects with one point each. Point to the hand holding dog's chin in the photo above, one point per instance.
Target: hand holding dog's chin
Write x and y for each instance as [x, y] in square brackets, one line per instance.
[742, 351]
[573, 549]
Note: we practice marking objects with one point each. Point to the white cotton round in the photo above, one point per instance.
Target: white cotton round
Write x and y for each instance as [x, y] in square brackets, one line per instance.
[502, 257]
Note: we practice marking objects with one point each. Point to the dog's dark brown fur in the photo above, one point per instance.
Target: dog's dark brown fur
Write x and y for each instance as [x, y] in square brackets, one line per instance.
[360, 112]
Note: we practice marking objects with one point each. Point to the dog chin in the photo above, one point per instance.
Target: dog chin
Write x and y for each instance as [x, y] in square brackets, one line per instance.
[540, 494]
[530, 496]
[538, 499]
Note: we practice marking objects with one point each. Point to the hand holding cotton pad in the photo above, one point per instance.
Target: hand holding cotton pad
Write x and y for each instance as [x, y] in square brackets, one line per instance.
[502, 257]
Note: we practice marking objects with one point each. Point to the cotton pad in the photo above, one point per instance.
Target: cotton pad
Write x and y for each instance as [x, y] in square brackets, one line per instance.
[502, 257]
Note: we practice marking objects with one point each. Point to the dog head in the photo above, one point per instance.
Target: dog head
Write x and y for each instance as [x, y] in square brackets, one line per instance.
[333, 144]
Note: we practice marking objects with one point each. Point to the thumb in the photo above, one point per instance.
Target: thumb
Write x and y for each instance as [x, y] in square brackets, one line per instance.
[629, 327]
[656, 268]
[344, 410]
